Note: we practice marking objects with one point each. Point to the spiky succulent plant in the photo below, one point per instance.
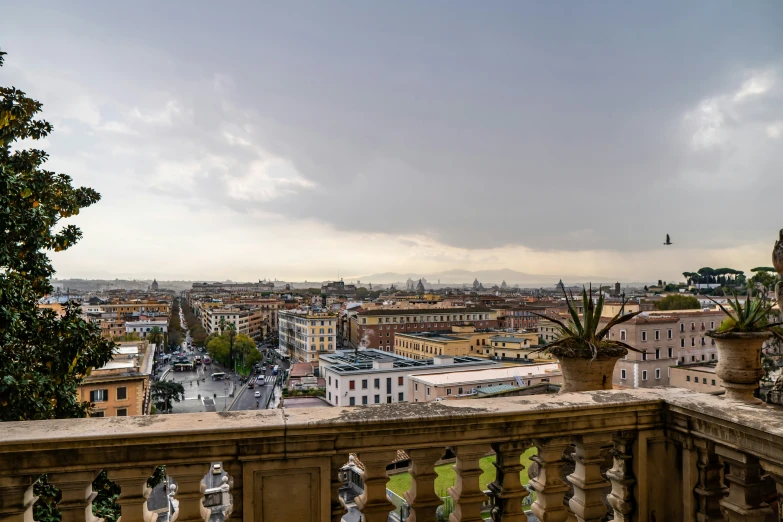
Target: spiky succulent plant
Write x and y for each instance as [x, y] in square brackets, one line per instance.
[751, 316]
[580, 334]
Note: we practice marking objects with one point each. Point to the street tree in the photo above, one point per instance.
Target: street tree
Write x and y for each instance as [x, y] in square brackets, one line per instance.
[155, 336]
[164, 392]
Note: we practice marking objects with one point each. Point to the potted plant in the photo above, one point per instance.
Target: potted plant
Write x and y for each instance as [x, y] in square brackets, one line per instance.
[739, 339]
[777, 262]
[586, 354]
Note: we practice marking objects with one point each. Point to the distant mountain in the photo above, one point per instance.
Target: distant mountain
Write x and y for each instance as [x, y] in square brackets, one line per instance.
[486, 277]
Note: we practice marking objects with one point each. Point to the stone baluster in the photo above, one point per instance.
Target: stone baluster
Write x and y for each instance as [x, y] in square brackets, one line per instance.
[621, 476]
[508, 489]
[335, 483]
[467, 492]
[549, 486]
[234, 470]
[775, 471]
[373, 503]
[589, 486]
[744, 502]
[133, 491]
[709, 486]
[17, 498]
[189, 495]
[422, 498]
[77, 495]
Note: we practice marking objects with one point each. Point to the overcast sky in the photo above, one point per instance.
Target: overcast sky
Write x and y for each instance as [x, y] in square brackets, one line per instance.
[295, 140]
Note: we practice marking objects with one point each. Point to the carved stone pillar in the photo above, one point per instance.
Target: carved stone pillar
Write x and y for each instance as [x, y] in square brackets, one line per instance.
[507, 488]
[188, 478]
[589, 486]
[335, 483]
[744, 501]
[77, 495]
[422, 497]
[467, 492]
[621, 476]
[549, 486]
[709, 488]
[373, 503]
[775, 471]
[17, 498]
[134, 491]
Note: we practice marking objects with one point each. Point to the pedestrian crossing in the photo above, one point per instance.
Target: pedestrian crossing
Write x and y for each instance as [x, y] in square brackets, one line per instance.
[269, 379]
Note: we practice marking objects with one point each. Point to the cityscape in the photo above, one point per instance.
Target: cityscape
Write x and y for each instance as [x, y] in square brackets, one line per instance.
[347, 262]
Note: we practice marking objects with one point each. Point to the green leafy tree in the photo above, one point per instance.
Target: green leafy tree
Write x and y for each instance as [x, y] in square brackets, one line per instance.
[678, 302]
[164, 392]
[43, 358]
[155, 336]
[765, 276]
[219, 349]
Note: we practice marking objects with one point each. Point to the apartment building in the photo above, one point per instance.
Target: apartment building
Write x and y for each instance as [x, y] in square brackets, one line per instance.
[213, 319]
[446, 385]
[143, 328]
[669, 338]
[208, 288]
[306, 335]
[376, 328]
[700, 377]
[459, 341]
[371, 377]
[133, 309]
[121, 387]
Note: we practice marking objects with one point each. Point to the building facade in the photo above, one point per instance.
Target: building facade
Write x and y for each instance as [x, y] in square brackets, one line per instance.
[376, 328]
[371, 377]
[306, 335]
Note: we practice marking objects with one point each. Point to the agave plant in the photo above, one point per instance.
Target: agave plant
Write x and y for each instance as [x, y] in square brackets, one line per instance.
[578, 334]
[752, 316]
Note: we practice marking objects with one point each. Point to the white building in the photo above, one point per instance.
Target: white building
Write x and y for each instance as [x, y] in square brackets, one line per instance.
[306, 335]
[365, 377]
[144, 327]
[214, 317]
[443, 385]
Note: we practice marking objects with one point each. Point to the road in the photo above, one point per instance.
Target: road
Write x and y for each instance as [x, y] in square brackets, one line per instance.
[247, 399]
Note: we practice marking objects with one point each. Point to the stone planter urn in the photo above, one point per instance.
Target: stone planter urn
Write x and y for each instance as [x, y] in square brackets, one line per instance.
[739, 363]
[585, 373]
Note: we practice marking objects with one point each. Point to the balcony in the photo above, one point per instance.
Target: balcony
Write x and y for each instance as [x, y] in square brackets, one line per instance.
[643, 455]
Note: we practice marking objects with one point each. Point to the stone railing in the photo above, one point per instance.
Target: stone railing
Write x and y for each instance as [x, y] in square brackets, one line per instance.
[642, 455]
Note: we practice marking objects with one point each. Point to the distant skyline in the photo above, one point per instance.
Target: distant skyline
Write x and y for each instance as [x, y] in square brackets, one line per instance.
[300, 140]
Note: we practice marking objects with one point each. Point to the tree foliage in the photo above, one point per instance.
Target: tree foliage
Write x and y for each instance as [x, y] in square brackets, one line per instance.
[678, 302]
[42, 357]
[164, 392]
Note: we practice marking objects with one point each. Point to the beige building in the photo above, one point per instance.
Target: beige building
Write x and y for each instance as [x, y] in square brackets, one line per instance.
[697, 377]
[669, 338]
[121, 387]
[460, 341]
[445, 385]
[306, 334]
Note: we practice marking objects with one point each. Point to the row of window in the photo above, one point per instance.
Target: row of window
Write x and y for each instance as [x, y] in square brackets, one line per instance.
[669, 333]
[121, 412]
[644, 374]
[103, 395]
[377, 383]
[365, 402]
[430, 318]
[696, 380]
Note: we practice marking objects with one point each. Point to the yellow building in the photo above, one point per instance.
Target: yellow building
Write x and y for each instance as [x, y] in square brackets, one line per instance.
[462, 340]
[515, 346]
[121, 387]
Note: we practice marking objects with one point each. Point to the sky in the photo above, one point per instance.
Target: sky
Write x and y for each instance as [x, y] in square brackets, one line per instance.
[299, 140]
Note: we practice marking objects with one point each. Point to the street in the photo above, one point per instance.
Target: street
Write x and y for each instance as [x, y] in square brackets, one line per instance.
[247, 399]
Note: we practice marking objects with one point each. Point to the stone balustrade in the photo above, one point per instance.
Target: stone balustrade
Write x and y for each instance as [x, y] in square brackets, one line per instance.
[645, 455]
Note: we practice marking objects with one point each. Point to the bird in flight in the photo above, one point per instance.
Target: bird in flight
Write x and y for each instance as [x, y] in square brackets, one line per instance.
[668, 241]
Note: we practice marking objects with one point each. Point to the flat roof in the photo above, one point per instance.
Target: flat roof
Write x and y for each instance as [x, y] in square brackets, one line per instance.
[467, 376]
[420, 311]
[350, 361]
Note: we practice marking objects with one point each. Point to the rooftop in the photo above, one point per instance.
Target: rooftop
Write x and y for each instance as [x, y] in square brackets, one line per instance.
[348, 361]
[415, 311]
[488, 374]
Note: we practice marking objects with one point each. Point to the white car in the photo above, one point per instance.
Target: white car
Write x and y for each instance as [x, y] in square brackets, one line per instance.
[257, 394]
